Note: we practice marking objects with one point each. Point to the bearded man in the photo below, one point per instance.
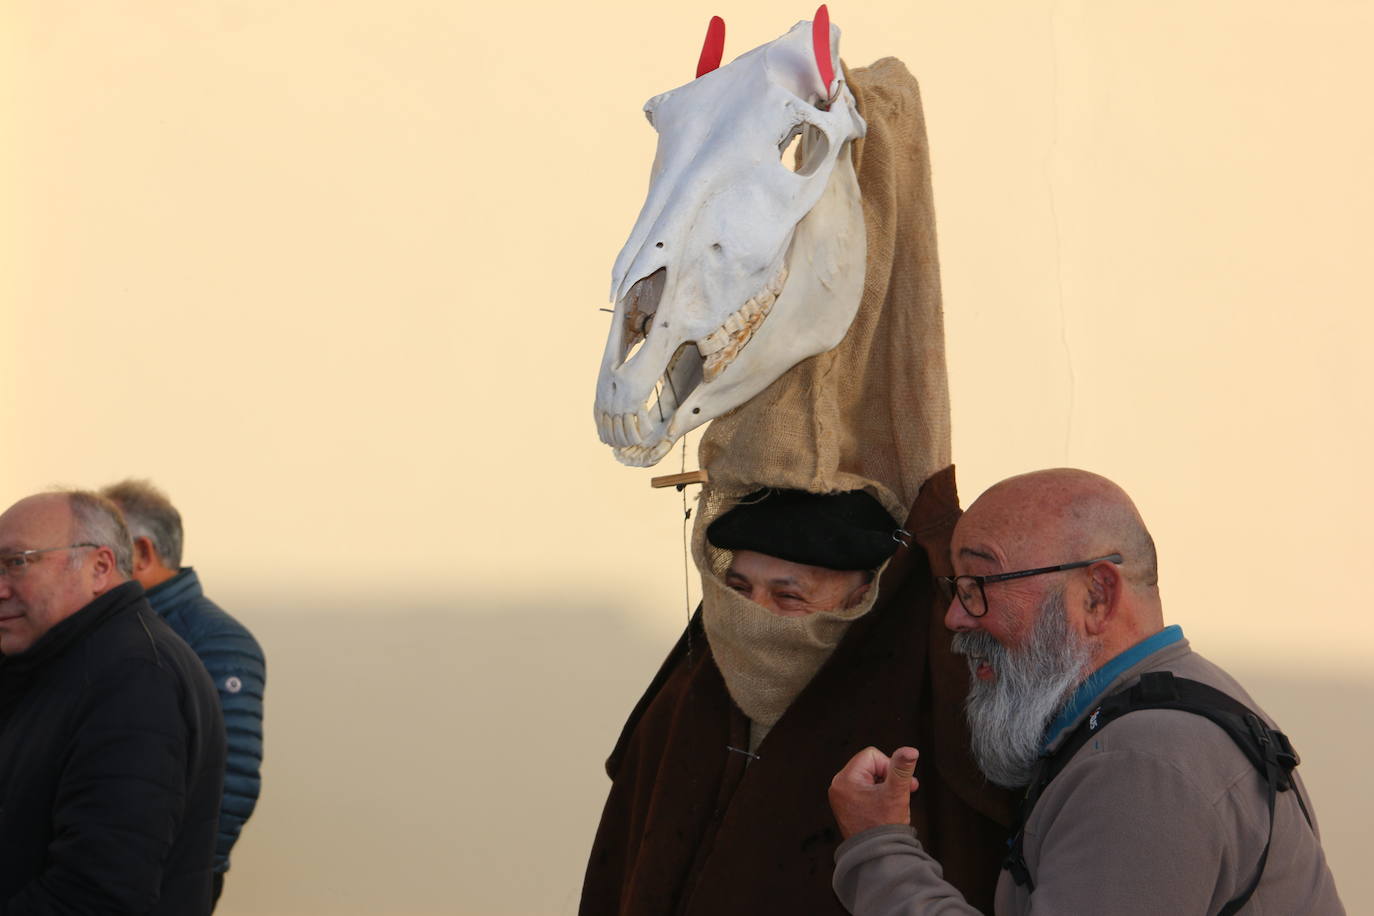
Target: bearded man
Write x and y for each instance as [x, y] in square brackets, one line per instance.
[1056, 607]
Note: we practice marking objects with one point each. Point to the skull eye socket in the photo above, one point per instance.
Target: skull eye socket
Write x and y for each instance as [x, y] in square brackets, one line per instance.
[803, 149]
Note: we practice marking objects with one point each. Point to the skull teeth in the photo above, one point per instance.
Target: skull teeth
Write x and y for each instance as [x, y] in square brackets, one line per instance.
[643, 456]
[637, 436]
[623, 430]
[722, 345]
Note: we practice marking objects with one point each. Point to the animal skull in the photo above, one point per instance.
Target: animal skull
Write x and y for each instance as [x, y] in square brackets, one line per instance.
[738, 267]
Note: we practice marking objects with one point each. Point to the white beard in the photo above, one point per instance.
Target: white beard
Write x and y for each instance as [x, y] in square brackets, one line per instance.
[1008, 715]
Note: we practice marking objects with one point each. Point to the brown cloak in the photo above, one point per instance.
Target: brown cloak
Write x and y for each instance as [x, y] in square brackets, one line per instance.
[692, 827]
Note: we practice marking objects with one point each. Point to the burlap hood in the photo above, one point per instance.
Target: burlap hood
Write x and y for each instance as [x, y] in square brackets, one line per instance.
[873, 413]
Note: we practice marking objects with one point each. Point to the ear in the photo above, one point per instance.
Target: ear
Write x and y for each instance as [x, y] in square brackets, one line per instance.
[144, 554]
[1104, 587]
[105, 572]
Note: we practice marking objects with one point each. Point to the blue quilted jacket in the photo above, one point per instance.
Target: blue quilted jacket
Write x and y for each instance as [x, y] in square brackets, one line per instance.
[235, 662]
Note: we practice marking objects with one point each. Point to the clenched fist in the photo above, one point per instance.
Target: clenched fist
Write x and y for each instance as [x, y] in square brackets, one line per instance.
[874, 789]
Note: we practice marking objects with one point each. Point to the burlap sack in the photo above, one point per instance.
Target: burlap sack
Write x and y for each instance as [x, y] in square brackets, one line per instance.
[873, 413]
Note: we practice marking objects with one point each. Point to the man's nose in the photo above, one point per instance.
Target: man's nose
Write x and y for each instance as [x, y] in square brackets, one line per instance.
[957, 618]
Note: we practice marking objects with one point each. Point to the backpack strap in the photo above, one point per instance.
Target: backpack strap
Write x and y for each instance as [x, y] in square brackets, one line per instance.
[1267, 749]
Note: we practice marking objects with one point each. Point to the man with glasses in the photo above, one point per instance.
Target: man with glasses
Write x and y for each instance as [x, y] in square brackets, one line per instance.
[111, 740]
[1056, 608]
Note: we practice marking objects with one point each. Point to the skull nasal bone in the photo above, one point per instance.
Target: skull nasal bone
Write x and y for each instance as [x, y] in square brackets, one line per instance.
[638, 309]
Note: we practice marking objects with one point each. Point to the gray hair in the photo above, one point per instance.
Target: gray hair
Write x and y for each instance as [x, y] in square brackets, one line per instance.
[97, 520]
[1008, 716]
[150, 515]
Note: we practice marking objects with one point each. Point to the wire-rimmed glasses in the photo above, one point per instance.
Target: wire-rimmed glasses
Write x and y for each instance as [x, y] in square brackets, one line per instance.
[15, 565]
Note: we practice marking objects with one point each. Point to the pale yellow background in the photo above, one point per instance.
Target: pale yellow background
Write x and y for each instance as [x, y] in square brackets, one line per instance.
[329, 272]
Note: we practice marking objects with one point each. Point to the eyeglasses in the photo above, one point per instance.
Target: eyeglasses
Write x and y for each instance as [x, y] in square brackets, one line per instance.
[15, 565]
[976, 601]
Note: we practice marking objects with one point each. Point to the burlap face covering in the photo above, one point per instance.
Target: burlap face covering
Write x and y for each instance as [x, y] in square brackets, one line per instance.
[766, 660]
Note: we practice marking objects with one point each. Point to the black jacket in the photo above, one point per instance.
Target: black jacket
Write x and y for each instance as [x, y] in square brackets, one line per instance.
[111, 766]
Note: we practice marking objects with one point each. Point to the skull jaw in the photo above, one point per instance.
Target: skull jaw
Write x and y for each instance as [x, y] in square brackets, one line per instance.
[824, 284]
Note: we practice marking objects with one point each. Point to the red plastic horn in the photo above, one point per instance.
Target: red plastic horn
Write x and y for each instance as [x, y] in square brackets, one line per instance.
[713, 48]
[820, 41]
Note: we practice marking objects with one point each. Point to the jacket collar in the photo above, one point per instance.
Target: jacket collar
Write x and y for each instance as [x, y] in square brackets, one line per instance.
[166, 595]
[1113, 673]
[67, 632]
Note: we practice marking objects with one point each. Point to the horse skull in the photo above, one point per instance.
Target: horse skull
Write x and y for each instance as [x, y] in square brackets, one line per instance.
[738, 267]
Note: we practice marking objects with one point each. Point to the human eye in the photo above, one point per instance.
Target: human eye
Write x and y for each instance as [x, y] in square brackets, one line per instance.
[13, 562]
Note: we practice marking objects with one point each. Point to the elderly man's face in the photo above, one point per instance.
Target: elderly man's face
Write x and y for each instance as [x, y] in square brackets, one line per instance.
[985, 544]
[1025, 654]
[794, 589]
[48, 590]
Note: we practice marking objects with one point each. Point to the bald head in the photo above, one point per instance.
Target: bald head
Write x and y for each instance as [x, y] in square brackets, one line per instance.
[1048, 519]
[1066, 513]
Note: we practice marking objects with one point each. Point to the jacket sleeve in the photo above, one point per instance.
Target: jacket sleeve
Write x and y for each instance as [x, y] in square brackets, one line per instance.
[120, 799]
[885, 872]
[236, 665]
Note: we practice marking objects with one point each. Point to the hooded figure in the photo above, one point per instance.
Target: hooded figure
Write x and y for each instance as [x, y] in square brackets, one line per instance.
[718, 798]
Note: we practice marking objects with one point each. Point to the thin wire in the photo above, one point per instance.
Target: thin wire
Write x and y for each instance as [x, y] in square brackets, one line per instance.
[1058, 231]
[677, 402]
[686, 565]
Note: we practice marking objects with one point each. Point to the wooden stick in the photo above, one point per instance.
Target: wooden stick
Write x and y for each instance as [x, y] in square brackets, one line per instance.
[680, 480]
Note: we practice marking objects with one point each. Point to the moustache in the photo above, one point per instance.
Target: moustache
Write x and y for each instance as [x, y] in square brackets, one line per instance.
[977, 643]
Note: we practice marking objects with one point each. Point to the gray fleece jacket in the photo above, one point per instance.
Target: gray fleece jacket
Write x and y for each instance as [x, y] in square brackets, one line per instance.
[1159, 813]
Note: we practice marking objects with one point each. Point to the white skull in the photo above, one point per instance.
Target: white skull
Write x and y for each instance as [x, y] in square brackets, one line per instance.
[738, 267]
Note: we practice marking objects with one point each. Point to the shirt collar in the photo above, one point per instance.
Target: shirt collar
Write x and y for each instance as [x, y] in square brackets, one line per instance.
[1092, 688]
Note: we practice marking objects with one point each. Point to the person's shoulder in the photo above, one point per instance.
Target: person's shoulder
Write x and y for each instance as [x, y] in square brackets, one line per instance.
[217, 621]
[1188, 741]
[1196, 667]
[1169, 733]
[169, 648]
[206, 624]
[133, 651]
[131, 634]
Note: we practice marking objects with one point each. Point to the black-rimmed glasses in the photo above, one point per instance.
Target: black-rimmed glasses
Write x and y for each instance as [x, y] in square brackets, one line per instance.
[975, 601]
[15, 565]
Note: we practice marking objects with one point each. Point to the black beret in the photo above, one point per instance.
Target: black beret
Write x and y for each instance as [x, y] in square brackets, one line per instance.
[836, 530]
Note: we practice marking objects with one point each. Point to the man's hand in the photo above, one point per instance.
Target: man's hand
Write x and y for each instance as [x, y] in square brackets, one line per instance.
[873, 790]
